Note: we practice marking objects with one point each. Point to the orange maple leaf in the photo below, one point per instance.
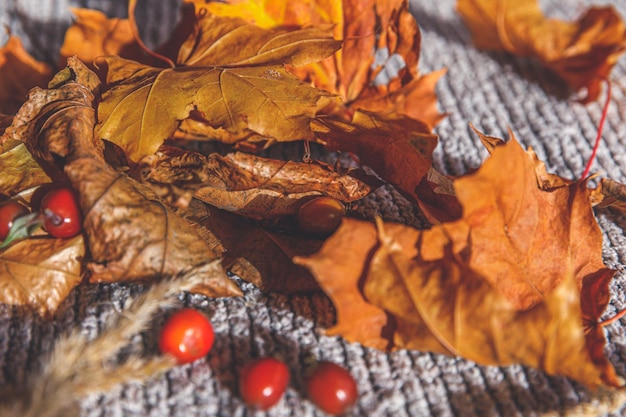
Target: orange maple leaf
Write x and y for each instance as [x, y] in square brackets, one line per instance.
[519, 278]
[582, 53]
[19, 72]
[388, 81]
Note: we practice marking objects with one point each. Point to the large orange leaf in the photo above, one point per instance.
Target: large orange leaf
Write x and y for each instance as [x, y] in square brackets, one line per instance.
[582, 53]
[339, 268]
[518, 279]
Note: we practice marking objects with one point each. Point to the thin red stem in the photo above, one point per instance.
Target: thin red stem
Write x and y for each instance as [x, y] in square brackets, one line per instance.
[596, 145]
[613, 319]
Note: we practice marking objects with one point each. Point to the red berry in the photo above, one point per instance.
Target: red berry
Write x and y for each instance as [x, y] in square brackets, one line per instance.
[61, 213]
[187, 335]
[263, 382]
[321, 216]
[10, 211]
[331, 388]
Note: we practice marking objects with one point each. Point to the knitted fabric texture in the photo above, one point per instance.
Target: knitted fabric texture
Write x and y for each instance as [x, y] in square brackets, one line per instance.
[494, 91]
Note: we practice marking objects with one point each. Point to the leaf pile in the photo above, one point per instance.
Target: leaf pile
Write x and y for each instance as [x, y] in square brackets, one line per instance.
[510, 272]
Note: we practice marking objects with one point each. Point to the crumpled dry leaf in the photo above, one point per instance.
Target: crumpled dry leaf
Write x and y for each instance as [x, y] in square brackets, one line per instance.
[92, 34]
[140, 110]
[41, 109]
[354, 73]
[19, 72]
[19, 170]
[131, 235]
[518, 279]
[253, 253]
[582, 53]
[252, 186]
[609, 194]
[40, 272]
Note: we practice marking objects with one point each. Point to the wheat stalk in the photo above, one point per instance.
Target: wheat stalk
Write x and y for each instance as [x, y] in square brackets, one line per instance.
[77, 367]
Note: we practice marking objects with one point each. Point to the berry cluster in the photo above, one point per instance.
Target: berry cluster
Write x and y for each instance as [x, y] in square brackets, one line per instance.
[58, 212]
[188, 335]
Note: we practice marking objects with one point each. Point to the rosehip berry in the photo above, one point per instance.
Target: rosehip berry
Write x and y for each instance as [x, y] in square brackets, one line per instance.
[187, 335]
[331, 388]
[321, 216]
[263, 382]
[61, 213]
[10, 211]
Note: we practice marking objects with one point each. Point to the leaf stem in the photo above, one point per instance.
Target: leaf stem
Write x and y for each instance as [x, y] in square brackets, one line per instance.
[135, 30]
[613, 319]
[596, 145]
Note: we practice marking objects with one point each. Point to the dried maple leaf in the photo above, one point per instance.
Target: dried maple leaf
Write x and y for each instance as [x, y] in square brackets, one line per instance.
[19, 170]
[253, 253]
[518, 279]
[582, 53]
[353, 72]
[397, 147]
[92, 34]
[140, 110]
[222, 41]
[40, 272]
[339, 267]
[131, 235]
[19, 72]
[252, 186]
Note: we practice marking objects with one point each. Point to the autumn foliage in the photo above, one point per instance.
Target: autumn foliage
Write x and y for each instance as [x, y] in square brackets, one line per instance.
[511, 270]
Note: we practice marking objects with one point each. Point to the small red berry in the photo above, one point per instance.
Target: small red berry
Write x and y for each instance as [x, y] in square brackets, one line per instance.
[61, 213]
[321, 216]
[10, 211]
[263, 382]
[187, 335]
[331, 388]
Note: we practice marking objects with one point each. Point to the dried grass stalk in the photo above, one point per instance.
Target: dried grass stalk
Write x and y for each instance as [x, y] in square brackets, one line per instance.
[77, 367]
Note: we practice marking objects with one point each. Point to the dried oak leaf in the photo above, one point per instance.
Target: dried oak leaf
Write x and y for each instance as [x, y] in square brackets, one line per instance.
[253, 253]
[40, 272]
[93, 34]
[582, 53]
[518, 279]
[19, 72]
[354, 72]
[131, 235]
[252, 186]
[143, 105]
